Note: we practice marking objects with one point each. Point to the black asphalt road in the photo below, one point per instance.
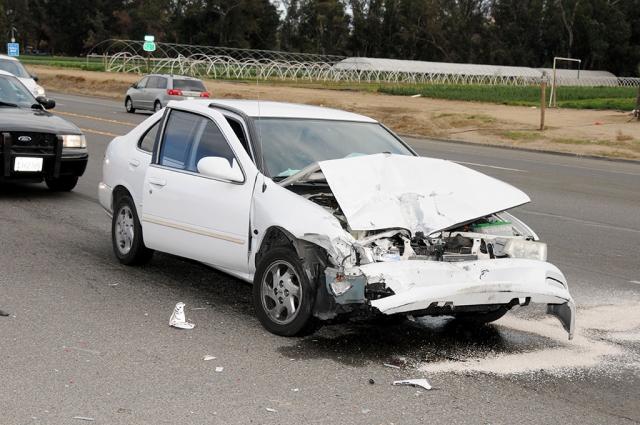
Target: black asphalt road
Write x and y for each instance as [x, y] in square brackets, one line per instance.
[88, 338]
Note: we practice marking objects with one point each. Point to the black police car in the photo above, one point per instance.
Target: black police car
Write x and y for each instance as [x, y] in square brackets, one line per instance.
[36, 145]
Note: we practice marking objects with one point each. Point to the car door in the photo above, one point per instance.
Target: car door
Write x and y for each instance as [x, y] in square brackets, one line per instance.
[191, 215]
[137, 95]
[150, 92]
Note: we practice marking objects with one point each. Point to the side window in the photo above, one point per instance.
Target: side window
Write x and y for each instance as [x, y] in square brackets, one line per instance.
[210, 143]
[162, 83]
[143, 83]
[147, 141]
[153, 83]
[180, 131]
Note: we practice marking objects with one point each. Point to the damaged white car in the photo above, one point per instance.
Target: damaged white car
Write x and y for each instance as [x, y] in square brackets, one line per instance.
[328, 213]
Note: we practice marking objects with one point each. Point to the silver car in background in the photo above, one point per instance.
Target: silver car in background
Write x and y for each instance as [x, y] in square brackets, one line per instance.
[154, 91]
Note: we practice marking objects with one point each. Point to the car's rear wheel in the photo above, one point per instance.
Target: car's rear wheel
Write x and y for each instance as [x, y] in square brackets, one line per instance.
[126, 234]
[283, 296]
[128, 105]
[62, 184]
[482, 317]
[157, 106]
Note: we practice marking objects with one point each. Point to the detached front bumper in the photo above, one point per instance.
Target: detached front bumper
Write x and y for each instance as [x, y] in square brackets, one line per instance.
[417, 285]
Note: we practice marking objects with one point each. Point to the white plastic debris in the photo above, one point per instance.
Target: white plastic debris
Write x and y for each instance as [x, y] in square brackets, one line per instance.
[271, 410]
[365, 411]
[417, 95]
[178, 320]
[219, 369]
[82, 418]
[391, 365]
[414, 383]
[207, 357]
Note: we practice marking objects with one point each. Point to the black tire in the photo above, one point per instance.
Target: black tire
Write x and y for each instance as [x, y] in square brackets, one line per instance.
[480, 318]
[157, 106]
[281, 280]
[126, 234]
[128, 105]
[62, 184]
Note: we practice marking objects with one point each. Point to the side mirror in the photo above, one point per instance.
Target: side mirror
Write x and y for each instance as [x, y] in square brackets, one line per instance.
[35, 77]
[134, 85]
[219, 168]
[46, 103]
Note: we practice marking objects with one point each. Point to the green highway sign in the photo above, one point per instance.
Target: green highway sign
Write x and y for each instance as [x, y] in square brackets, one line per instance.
[149, 46]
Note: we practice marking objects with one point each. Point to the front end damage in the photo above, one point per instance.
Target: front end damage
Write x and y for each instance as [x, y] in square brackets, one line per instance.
[425, 237]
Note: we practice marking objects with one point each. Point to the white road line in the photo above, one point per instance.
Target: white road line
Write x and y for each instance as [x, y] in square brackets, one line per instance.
[491, 166]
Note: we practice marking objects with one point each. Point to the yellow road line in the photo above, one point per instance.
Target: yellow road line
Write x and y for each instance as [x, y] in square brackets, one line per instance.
[96, 118]
[86, 130]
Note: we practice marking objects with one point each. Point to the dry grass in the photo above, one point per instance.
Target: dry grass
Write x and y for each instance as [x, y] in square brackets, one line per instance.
[621, 137]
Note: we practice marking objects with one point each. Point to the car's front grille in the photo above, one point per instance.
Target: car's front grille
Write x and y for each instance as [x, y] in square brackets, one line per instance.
[20, 139]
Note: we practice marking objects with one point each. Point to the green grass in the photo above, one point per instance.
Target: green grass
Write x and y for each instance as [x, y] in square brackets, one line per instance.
[442, 116]
[519, 135]
[616, 98]
[483, 118]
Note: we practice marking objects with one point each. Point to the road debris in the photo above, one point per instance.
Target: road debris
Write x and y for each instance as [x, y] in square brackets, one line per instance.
[414, 383]
[391, 365]
[219, 369]
[82, 418]
[365, 411]
[271, 410]
[207, 357]
[417, 95]
[177, 319]
[3, 313]
[371, 381]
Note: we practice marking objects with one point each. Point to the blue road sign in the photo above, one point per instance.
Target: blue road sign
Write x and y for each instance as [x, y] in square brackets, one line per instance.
[13, 49]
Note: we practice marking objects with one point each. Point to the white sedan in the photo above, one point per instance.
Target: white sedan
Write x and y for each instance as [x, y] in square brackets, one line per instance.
[329, 214]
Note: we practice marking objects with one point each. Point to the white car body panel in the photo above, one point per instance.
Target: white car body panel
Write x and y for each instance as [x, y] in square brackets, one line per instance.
[414, 193]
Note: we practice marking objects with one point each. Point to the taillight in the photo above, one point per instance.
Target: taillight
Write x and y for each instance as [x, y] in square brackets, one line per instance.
[173, 92]
[204, 94]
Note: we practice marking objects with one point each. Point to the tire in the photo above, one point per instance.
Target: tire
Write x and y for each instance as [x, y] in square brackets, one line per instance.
[157, 106]
[480, 318]
[62, 184]
[126, 234]
[283, 296]
[128, 105]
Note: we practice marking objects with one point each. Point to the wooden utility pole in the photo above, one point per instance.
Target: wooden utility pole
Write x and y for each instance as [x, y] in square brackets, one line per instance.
[544, 80]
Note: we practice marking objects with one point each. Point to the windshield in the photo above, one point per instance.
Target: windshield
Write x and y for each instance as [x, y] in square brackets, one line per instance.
[289, 145]
[13, 92]
[188, 85]
[14, 67]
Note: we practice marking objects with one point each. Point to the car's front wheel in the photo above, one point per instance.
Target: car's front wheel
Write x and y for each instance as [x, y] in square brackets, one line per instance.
[282, 294]
[157, 106]
[128, 105]
[62, 184]
[126, 234]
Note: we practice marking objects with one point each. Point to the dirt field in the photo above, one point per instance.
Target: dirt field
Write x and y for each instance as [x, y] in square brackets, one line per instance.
[602, 133]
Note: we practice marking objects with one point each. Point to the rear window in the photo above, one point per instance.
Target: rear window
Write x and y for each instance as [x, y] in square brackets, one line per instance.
[189, 85]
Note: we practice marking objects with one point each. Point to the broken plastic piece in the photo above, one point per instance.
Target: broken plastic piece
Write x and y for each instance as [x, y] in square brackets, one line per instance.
[177, 319]
[365, 411]
[417, 95]
[271, 410]
[3, 313]
[83, 418]
[391, 365]
[219, 368]
[207, 357]
[414, 383]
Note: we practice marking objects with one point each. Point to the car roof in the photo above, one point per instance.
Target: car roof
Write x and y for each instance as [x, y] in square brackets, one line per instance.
[11, 58]
[178, 76]
[268, 109]
[3, 72]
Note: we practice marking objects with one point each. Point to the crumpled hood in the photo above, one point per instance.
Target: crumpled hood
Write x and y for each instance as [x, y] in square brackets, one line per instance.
[419, 194]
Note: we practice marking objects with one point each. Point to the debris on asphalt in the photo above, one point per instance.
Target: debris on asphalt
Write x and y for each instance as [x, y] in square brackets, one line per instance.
[365, 411]
[417, 95]
[207, 357]
[391, 365]
[82, 418]
[371, 381]
[177, 319]
[271, 410]
[400, 361]
[414, 383]
[3, 313]
[295, 390]
[219, 368]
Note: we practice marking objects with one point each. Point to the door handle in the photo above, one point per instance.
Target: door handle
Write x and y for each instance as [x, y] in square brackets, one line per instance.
[157, 182]
[134, 162]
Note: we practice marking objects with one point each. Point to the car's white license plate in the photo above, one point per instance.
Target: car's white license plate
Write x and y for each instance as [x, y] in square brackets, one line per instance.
[27, 164]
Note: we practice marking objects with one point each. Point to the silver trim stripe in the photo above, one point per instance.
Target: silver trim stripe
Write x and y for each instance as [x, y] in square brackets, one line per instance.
[192, 230]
